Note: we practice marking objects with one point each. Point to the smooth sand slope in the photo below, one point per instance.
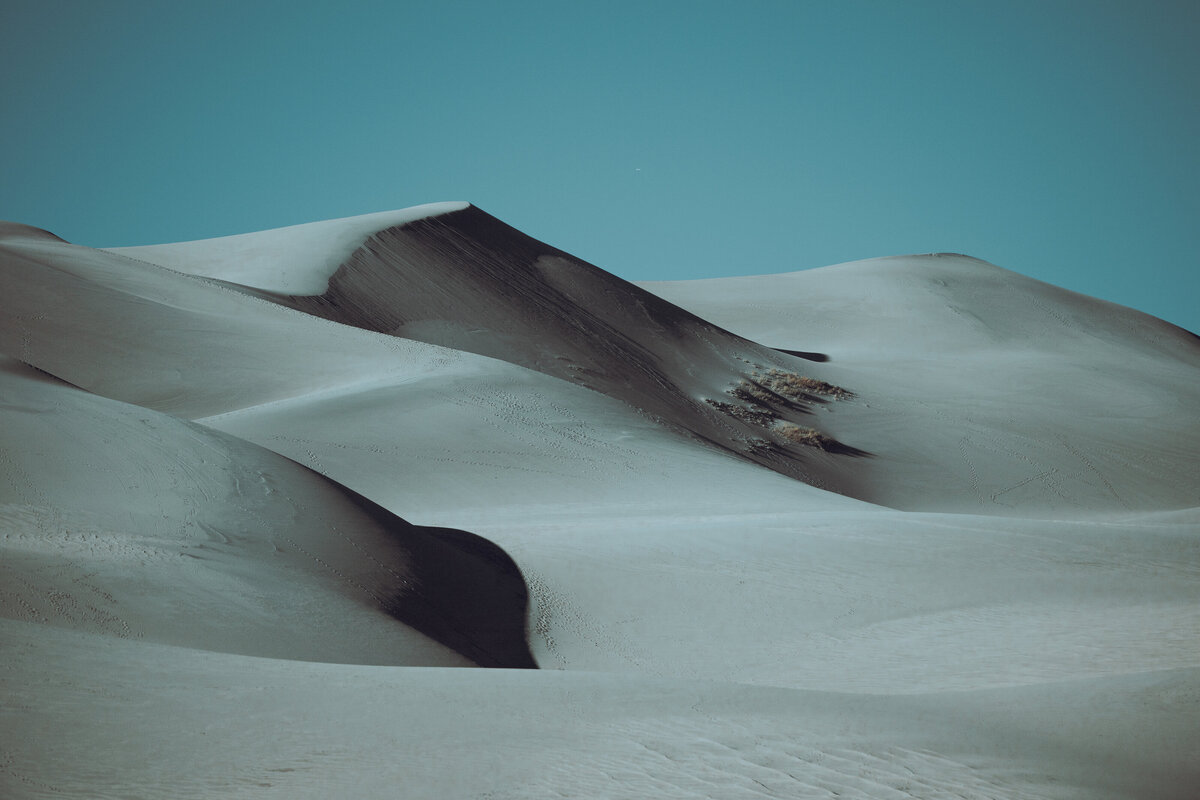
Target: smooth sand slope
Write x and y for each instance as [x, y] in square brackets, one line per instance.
[984, 391]
[106, 504]
[269, 445]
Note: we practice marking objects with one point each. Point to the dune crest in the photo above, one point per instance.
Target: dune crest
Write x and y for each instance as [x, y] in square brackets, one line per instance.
[467, 281]
[296, 259]
[237, 479]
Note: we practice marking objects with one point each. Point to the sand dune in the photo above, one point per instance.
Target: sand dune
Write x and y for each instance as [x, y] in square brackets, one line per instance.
[463, 279]
[236, 477]
[296, 260]
[106, 503]
[984, 391]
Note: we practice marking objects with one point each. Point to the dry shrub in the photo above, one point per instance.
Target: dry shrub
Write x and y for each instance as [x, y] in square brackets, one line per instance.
[796, 387]
[751, 392]
[805, 436]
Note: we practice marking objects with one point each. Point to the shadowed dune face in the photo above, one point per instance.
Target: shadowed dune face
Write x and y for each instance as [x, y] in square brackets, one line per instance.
[965, 381]
[462, 280]
[104, 501]
[468, 281]
[459, 589]
[470, 596]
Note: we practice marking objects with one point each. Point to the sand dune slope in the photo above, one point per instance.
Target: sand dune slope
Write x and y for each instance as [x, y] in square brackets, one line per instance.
[280, 728]
[975, 389]
[984, 391]
[208, 586]
[465, 280]
[139, 333]
[295, 260]
[106, 506]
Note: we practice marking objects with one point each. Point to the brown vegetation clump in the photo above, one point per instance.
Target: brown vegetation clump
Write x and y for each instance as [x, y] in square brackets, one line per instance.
[796, 387]
[750, 392]
[805, 436]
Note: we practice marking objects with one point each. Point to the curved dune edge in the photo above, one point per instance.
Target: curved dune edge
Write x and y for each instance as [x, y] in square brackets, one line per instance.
[462, 590]
[989, 392]
[468, 281]
[458, 279]
[101, 501]
[295, 259]
[976, 390]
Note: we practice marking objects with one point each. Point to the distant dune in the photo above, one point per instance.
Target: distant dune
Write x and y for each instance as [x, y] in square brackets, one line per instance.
[914, 526]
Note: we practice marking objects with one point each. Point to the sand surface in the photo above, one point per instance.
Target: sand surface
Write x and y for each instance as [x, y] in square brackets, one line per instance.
[267, 501]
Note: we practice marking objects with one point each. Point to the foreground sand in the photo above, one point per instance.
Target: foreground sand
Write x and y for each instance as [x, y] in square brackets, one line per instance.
[1000, 599]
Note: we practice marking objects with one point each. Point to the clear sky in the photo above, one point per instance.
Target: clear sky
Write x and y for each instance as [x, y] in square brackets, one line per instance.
[658, 140]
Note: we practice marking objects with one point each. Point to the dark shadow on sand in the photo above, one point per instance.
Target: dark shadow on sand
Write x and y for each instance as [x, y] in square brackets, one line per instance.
[470, 596]
[462, 590]
[807, 356]
[837, 448]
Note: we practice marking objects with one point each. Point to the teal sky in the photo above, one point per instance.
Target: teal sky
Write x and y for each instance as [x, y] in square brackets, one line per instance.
[658, 140]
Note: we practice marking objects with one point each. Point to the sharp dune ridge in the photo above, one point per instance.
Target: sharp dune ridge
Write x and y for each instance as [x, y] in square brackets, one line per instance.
[913, 526]
[466, 280]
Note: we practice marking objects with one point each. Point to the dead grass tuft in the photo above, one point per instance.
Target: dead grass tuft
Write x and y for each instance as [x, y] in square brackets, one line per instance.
[805, 436]
[750, 392]
[797, 387]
